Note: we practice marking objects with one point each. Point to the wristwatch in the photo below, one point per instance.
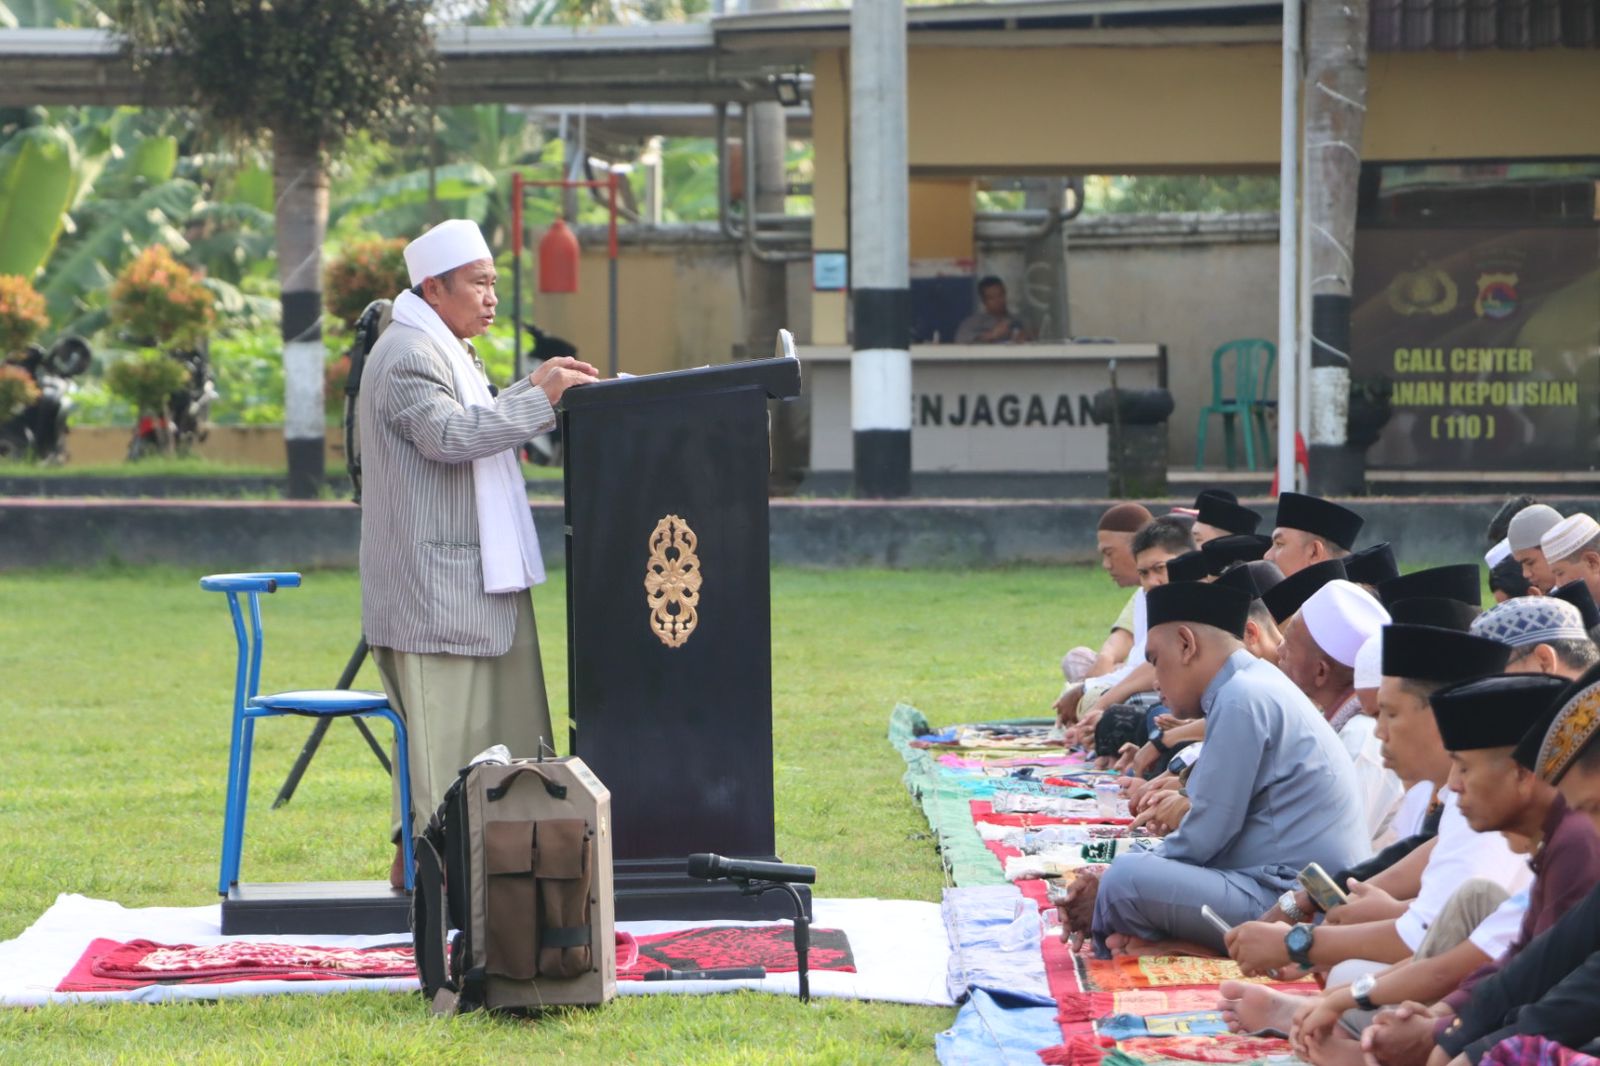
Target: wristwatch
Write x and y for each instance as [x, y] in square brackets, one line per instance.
[1298, 941]
[1361, 991]
[1291, 910]
[1155, 742]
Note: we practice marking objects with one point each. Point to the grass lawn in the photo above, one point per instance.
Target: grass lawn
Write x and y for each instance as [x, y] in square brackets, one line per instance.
[114, 689]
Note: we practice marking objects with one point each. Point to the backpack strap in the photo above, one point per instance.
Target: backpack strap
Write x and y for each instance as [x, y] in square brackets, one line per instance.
[430, 929]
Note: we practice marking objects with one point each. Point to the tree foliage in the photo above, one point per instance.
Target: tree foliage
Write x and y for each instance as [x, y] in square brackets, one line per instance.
[1203, 193]
[318, 70]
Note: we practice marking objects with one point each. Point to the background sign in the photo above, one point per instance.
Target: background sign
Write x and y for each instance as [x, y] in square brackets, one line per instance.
[1489, 340]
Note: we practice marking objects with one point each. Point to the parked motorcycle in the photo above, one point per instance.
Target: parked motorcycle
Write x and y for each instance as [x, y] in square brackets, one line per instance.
[187, 420]
[40, 429]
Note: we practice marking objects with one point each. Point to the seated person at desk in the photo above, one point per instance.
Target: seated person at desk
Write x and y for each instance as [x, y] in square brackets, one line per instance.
[1274, 791]
[994, 324]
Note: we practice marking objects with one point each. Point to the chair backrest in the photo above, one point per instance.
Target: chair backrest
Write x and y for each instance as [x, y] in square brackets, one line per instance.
[247, 670]
[1253, 362]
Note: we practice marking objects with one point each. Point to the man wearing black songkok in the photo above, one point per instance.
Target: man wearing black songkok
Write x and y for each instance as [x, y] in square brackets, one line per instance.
[1310, 530]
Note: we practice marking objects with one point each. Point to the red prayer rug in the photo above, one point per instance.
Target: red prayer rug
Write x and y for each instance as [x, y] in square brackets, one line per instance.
[713, 947]
[110, 965]
[1088, 991]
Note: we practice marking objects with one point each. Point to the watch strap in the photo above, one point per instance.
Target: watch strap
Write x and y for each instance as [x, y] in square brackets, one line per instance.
[1302, 957]
[1361, 992]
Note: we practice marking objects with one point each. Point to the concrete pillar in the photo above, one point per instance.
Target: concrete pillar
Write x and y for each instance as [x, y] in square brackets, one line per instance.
[880, 249]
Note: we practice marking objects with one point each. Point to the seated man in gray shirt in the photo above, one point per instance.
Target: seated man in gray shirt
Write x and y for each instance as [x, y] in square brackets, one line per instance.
[1273, 791]
[994, 324]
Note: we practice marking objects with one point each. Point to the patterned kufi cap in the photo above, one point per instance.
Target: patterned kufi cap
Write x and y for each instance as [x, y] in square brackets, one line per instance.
[1574, 728]
[1529, 620]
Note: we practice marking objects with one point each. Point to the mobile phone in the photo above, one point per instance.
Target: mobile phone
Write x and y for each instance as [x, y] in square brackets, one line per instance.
[1215, 919]
[1324, 892]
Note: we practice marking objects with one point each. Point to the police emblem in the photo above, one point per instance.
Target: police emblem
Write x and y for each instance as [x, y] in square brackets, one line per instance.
[1497, 294]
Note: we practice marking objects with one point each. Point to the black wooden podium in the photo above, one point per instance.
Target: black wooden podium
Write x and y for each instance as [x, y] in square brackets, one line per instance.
[669, 629]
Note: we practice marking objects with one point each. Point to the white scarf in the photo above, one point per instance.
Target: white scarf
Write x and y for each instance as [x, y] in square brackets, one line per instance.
[508, 543]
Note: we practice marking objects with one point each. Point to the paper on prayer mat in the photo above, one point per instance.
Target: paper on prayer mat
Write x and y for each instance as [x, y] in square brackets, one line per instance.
[900, 950]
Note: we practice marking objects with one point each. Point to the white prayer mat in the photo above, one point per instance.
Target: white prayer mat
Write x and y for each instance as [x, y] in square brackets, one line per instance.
[900, 947]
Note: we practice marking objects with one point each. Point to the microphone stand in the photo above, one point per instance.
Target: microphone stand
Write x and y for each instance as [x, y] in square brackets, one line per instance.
[802, 925]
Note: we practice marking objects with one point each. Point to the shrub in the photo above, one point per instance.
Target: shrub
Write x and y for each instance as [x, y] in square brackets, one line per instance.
[22, 314]
[17, 390]
[159, 301]
[147, 380]
[363, 272]
[335, 376]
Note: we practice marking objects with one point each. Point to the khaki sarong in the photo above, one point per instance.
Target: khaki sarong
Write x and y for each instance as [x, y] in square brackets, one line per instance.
[455, 706]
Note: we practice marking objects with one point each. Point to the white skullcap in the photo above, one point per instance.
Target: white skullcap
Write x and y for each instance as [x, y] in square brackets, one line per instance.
[1529, 525]
[445, 247]
[1341, 616]
[1567, 536]
[1498, 554]
[1369, 662]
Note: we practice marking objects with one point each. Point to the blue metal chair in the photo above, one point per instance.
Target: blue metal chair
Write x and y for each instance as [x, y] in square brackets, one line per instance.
[249, 705]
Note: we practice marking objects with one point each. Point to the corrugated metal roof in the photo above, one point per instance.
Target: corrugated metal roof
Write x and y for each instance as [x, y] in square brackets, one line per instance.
[1457, 25]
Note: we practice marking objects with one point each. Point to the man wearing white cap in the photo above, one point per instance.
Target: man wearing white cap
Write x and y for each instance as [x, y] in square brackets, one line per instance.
[1523, 536]
[448, 548]
[1572, 549]
[1545, 635]
[1320, 647]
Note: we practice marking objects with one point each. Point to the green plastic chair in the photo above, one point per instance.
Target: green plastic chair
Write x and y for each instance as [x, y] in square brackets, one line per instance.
[1253, 362]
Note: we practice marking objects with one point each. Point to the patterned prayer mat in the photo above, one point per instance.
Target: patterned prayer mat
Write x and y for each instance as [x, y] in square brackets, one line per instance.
[1155, 971]
[111, 964]
[1155, 1011]
[771, 946]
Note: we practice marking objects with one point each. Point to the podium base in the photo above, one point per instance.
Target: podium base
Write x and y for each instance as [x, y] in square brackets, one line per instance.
[319, 907]
[658, 889]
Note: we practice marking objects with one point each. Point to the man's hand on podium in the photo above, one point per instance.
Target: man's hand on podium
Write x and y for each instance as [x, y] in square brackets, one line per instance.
[556, 376]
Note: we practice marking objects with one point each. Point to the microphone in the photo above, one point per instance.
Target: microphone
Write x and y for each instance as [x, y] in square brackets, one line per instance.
[711, 867]
[725, 973]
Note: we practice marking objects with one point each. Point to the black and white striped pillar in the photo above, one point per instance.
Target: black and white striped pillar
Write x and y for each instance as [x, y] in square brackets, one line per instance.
[304, 418]
[880, 251]
[301, 185]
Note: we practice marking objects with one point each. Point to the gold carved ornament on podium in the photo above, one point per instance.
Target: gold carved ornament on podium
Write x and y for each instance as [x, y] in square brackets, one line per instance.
[672, 581]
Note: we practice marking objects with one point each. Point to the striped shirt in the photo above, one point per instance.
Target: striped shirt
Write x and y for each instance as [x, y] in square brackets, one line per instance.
[421, 573]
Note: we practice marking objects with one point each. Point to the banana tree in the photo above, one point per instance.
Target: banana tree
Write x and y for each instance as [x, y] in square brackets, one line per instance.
[37, 183]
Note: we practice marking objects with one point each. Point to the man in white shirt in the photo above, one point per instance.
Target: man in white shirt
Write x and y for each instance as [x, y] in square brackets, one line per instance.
[1320, 646]
[1386, 922]
[1113, 543]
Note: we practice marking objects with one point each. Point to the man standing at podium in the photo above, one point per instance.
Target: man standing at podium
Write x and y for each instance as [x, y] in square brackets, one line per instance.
[448, 548]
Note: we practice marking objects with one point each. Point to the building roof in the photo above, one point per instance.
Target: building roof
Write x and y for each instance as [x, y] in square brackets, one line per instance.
[1462, 25]
[738, 57]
